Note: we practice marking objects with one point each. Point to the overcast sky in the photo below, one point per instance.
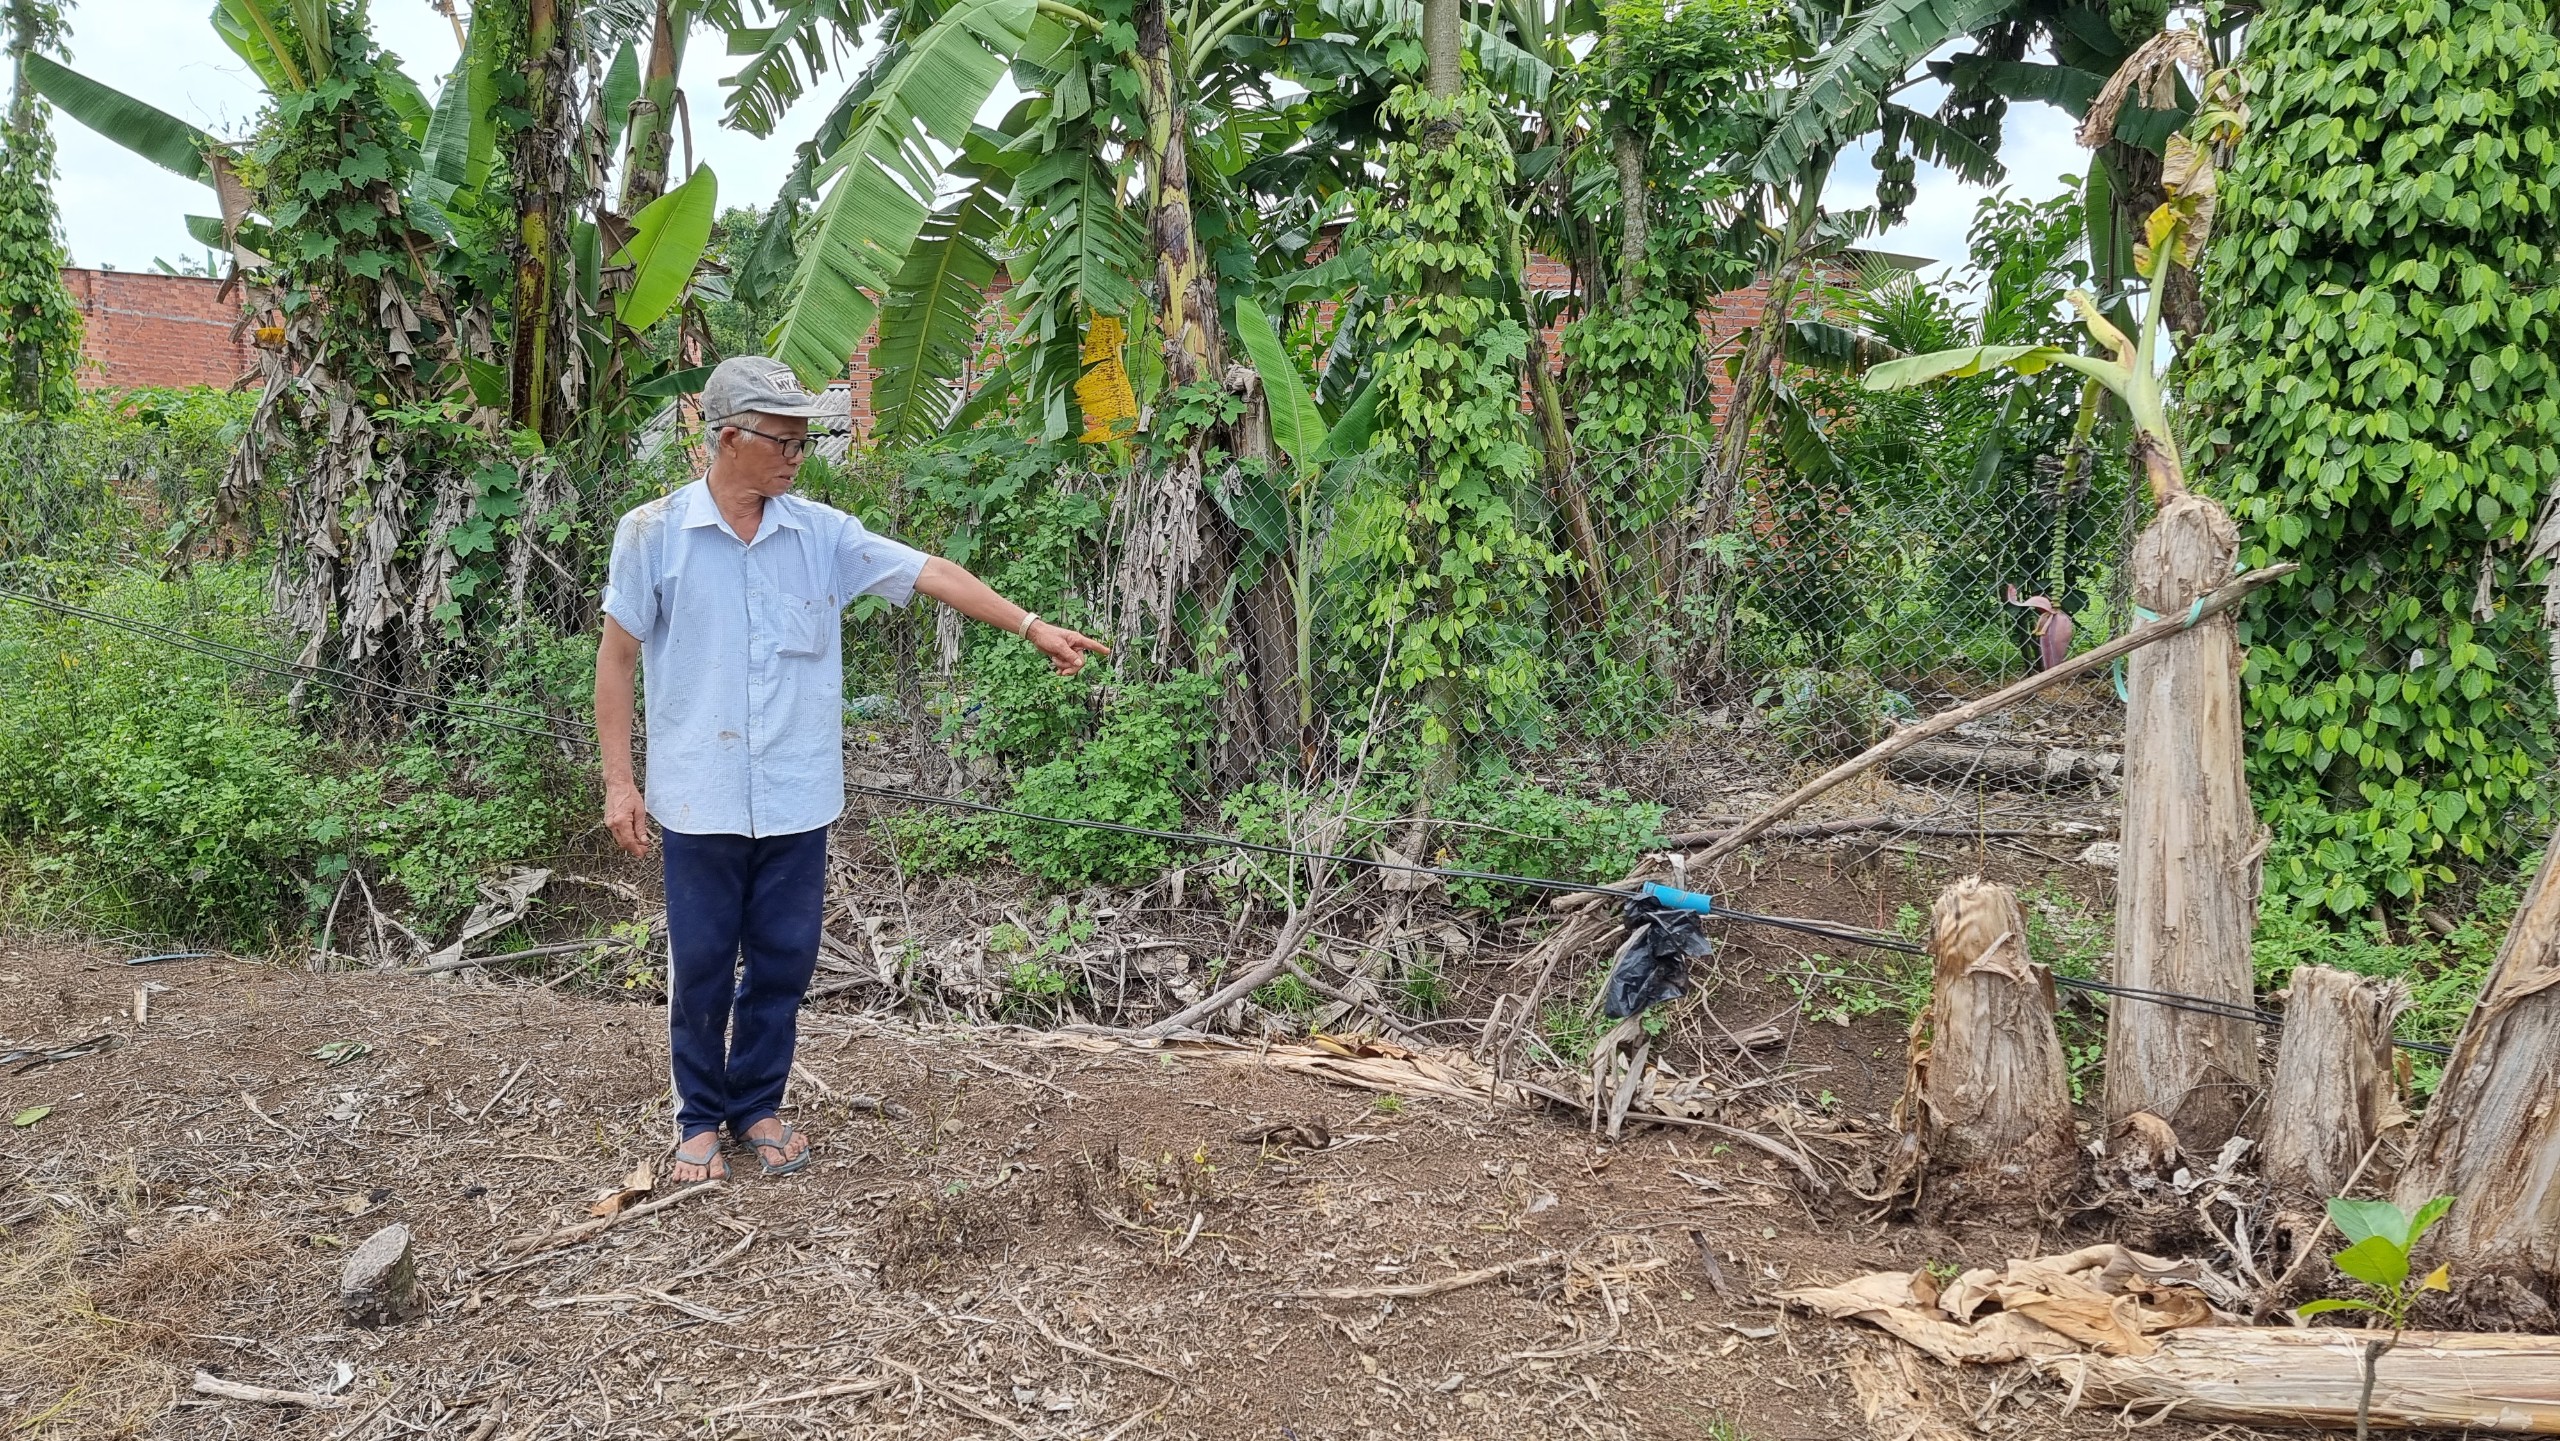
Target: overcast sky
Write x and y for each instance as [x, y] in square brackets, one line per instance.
[121, 210]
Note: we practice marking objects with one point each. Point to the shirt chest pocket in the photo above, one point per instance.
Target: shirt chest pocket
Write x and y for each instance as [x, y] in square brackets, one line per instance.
[802, 626]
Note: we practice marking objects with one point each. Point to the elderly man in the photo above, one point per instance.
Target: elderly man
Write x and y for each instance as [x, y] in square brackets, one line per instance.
[729, 592]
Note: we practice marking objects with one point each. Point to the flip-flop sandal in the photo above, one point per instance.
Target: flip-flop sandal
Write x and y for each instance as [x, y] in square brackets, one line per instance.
[715, 1166]
[781, 1146]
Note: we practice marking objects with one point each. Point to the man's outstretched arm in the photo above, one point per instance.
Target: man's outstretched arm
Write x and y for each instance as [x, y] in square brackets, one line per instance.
[955, 587]
[626, 813]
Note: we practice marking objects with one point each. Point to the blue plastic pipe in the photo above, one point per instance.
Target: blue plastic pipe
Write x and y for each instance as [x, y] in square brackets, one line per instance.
[1698, 901]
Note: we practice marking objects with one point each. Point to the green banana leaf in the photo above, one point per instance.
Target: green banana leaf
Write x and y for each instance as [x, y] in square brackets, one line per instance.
[461, 140]
[887, 176]
[1839, 94]
[929, 318]
[154, 134]
[668, 237]
[1960, 362]
[1296, 427]
[621, 87]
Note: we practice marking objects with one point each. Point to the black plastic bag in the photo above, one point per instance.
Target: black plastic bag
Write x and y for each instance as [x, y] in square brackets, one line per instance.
[1653, 964]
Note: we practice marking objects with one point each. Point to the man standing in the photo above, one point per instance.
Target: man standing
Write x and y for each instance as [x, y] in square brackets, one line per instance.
[728, 592]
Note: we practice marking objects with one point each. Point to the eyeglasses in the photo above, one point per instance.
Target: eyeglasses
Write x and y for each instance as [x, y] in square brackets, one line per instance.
[793, 447]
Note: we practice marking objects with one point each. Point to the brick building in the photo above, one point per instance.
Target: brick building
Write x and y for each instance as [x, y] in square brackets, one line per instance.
[146, 328]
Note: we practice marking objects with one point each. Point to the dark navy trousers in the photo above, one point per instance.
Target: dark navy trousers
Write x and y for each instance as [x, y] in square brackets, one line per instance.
[743, 915]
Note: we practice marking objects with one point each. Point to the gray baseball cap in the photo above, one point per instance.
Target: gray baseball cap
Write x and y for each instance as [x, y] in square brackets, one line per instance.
[755, 385]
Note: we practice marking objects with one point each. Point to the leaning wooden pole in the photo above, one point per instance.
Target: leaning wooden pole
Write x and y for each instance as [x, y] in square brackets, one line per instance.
[2207, 602]
[1989, 1099]
[2187, 887]
[2491, 1135]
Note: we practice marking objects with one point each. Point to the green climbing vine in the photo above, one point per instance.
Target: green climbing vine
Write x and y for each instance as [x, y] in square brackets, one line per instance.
[2379, 399]
[1460, 566]
[1669, 84]
[39, 325]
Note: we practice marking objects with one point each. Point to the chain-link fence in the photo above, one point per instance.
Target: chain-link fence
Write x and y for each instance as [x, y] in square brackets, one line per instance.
[1628, 679]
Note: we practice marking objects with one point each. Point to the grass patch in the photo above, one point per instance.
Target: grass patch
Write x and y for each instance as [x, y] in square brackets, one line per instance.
[93, 1337]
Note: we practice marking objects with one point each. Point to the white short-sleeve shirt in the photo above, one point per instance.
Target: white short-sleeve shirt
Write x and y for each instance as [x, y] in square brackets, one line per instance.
[741, 654]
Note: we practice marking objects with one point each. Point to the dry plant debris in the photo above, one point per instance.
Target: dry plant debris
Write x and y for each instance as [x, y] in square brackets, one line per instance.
[1009, 1233]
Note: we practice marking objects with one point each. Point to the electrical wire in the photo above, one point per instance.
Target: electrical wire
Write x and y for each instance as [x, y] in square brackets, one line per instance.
[331, 676]
[477, 712]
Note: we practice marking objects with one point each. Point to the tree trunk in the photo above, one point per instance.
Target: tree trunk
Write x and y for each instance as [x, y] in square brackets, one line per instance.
[1564, 483]
[2491, 1136]
[1443, 44]
[540, 165]
[1635, 225]
[644, 176]
[1261, 699]
[2277, 1376]
[1989, 1097]
[1186, 295]
[2334, 1089]
[1701, 574]
[2187, 888]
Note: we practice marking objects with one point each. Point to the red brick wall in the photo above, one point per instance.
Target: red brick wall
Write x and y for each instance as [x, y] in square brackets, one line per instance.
[143, 328]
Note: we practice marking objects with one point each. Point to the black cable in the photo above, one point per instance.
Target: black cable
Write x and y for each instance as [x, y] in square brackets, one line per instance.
[2174, 1000]
[226, 650]
[460, 710]
[1197, 838]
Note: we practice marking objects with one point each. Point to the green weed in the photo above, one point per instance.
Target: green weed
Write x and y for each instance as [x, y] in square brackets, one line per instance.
[1288, 995]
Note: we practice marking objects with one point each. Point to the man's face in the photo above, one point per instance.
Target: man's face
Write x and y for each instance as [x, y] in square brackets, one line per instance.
[764, 451]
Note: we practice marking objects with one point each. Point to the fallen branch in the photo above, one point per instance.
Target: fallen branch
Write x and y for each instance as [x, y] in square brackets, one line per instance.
[464, 963]
[208, 1384]
[1293, 931]
[587, 1230]
[2272, 1375]
[814, 1393]
[2213, 604]
[1414, 1290]
[1066, 1343]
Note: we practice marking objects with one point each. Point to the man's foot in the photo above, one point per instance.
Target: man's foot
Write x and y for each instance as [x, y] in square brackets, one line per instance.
[780, 1149]
[698, 1158]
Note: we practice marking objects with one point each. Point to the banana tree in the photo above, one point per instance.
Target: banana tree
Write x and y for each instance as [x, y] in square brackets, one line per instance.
[450, 186]
[1285, 515]
[2173, 238]
[423, 260]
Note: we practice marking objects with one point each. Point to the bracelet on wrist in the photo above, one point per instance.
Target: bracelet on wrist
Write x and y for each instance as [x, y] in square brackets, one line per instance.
[1029, 619]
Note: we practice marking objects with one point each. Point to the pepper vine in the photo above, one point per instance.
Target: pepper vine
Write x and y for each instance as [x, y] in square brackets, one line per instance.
[2379, 399]
[1460, 566]
[39, 325]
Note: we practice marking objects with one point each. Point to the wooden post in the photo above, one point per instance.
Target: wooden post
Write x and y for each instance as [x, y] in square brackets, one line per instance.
[2187, 888]
[2334, 1090]
[1989, 1098]
[2491, 1136]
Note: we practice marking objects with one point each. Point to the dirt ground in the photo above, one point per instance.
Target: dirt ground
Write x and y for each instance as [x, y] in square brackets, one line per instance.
[1001, 1238]
[1031, 1247]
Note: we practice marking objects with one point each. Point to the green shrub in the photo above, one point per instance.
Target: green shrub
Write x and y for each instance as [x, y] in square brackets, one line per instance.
[1289, 995]
[157, 790]
[1825, 715]
[1132, 772]
[2375, 402]
[931, 842]
[1273, 813]
[1498, 822]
